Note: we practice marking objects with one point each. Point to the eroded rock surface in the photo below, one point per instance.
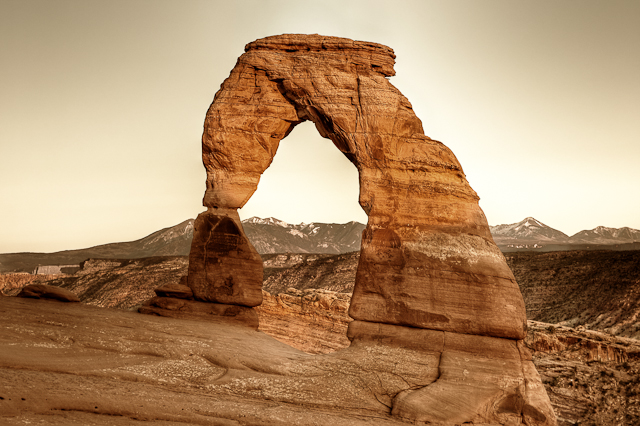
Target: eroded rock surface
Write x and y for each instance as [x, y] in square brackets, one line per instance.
[177, 290]
[44, 291]
[427, 257]
[428, 264]
[107, 366]
[223, 265]
[314, 321]
[192, 309]
[590, 376]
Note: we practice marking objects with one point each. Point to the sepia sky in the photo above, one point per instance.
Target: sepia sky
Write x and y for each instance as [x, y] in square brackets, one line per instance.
[102, 105]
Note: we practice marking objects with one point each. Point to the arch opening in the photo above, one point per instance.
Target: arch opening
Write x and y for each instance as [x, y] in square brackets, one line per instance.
[309, 180]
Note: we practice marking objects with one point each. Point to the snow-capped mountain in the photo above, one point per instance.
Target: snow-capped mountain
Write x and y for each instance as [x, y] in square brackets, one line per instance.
[272, 235]
[532, 231]
[604, 235]
[528, 230]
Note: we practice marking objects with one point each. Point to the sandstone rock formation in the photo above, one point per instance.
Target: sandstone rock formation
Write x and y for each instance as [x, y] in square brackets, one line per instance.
[427, 258]
[176, 301]
[44, 291]
[314, 321]
[191, 309]
[177, 290]
[127, 369]
[429, 279]
[590, 376]
[223, 265]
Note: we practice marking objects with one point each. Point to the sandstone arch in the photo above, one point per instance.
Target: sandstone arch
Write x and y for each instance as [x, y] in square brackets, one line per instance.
[427, 260]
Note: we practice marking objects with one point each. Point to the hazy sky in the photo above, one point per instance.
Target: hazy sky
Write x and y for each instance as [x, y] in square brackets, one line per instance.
[102, 105]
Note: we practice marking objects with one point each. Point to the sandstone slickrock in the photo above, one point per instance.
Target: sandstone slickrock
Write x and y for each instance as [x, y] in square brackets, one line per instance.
[427, 258]
[45, 291]
[314, 321]
[111, 367]
[177, 290]
[192, 309]
[590, 376]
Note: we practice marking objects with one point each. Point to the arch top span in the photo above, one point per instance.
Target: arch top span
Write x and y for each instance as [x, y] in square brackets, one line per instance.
[341, 86]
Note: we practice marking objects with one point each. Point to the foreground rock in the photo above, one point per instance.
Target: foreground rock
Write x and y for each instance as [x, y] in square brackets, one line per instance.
[314, 321]
[195, 310]
[44, 291]
[177, 301]
[106, 367]
[111, 367]
[223, 265]
[590, 376]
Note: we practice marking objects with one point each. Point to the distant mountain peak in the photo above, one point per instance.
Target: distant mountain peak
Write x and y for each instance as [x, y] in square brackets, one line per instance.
[272, 235]
[606, 235]
[527, 230]
[530, 221]
[266, 221]
[532, 231]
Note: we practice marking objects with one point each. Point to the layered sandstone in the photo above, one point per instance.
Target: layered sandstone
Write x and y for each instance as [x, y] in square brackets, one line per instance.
[430, 278]
[590, 376]
[427, 257]
[314, 321]
[223, 265]
[45, 291]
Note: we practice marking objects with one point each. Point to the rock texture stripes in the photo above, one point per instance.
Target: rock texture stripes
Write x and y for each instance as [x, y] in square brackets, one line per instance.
[427, 261]
[223, 265]
[45, 291]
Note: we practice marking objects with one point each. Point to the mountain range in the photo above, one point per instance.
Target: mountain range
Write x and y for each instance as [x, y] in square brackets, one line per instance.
[271, 235]
[532, 232]
[275, 236]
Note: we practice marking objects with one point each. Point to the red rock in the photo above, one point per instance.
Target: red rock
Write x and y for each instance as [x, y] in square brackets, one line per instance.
[178, 291]
[223, 266]
[427, 256]
[314, 321]
[480, 380]
[44, 291]
[427, 261]
[190, 309]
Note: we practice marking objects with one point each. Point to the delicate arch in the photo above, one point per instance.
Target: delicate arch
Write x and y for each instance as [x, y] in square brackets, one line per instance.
[428, 259]
[430, 277]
